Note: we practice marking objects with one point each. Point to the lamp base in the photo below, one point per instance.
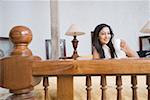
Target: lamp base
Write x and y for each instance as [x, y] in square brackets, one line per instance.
[75, 45]
[75, 55]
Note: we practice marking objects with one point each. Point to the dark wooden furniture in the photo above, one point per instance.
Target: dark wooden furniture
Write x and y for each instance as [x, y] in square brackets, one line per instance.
[142, 51]
[62, 48]
[4, 38]
[141, 42]
[5, 46]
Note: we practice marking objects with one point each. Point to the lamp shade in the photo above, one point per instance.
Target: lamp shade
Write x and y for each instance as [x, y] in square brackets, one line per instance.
[146, 28]
[74, 31]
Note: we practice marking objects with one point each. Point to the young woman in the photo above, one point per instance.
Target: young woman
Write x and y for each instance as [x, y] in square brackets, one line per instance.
[104, 46]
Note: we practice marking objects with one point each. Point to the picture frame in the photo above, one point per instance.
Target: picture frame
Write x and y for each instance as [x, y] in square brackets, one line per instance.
[5, 46]
[62, 48]
[144, 43]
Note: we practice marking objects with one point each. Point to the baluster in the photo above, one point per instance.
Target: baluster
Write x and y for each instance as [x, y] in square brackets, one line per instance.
[148, 85]
[119, 87]
[134, 87]
[103, 88]
[88, 89]
[46, 84]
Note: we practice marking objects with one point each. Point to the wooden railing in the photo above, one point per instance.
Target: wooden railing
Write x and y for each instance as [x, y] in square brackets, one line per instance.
[21, 71]
[68, 68]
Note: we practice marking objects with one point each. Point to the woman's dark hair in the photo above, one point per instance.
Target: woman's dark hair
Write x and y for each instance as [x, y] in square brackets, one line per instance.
[97, 44]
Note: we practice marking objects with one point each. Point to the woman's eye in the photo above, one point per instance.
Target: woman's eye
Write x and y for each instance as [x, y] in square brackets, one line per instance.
[102, 33]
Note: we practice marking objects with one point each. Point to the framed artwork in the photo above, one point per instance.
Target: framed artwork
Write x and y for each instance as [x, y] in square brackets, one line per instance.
[144, 43]
[5, 46]
[62, 48]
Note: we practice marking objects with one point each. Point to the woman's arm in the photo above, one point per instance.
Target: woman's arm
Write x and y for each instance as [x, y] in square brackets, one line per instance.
[95, 53]
[129, 52]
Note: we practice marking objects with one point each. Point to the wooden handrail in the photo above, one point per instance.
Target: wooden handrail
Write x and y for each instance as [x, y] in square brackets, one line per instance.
[91, 67]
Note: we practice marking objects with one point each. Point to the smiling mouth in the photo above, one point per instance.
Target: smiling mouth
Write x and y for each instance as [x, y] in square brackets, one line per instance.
[106, 40]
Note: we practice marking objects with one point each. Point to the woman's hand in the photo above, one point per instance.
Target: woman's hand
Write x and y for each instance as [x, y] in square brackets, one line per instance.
[124, 46]
[129, 52]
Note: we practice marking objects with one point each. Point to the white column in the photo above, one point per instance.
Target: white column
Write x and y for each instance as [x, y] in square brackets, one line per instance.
[55, 34]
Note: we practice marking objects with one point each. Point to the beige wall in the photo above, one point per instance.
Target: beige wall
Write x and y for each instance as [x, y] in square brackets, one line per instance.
[125, 17]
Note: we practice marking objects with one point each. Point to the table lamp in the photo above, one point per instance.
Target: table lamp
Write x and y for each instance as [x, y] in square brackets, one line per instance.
[74, 31]
[146, 28]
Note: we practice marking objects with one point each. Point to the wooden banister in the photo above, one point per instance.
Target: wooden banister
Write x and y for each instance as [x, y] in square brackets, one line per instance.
[21, 71]
[92, 67]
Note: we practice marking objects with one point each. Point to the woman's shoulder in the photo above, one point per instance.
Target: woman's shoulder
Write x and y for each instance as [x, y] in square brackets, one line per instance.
[95, 53]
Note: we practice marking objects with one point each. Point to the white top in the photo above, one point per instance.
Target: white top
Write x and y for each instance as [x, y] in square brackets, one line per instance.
[120, 53]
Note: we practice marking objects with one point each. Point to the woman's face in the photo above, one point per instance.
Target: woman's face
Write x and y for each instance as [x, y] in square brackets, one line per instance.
[104, 35]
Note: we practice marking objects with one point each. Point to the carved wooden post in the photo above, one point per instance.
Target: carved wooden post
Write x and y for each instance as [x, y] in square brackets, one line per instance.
[46, 84]
[134, 87]
[88, 87]
[104, 87]
[119, 87]
[21, 36]
[17, 69]
[65, 88]
[148, 85]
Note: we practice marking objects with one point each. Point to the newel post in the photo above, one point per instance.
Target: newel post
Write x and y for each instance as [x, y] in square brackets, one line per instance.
[21, 36]
[17, 69]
